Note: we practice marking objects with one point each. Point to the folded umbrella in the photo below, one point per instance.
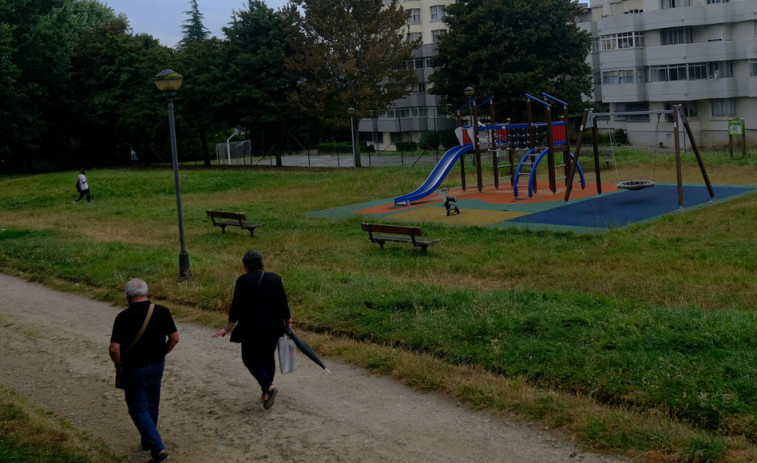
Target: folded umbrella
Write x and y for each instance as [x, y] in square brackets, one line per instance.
[305, 349]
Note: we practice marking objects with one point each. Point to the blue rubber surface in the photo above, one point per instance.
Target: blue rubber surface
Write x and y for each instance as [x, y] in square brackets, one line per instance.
[626, 207]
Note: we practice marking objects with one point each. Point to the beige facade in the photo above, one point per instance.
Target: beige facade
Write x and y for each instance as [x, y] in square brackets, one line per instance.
[419, 111]
[650, 54]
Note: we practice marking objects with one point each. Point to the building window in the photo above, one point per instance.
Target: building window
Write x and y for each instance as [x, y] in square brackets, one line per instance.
[718, 69]
[621, 41]
[674, 3]
[674, 72]
[634, 11]
[676, 35]
[638, 106]
[709, 2]
[753, 67]
[689, 110]
[715, 33]
[437, 33]
[697, 71]
[414, 36]
[723, 107]
[619, 77]
[415, 16]
[677, 72]
[437, 12]
[610, 78]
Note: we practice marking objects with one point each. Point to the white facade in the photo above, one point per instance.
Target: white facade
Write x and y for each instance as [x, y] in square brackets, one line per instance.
[419, 111]
[650, 54]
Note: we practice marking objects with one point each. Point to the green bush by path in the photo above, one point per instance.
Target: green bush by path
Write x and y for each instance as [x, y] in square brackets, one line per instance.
[656, 318]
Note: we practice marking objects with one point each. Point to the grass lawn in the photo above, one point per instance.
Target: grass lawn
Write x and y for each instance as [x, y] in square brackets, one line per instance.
[641, 340]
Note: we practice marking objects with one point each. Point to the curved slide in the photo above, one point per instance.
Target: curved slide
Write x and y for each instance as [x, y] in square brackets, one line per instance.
[437, 175]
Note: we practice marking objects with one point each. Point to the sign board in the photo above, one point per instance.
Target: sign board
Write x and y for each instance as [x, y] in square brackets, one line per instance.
[735, 127]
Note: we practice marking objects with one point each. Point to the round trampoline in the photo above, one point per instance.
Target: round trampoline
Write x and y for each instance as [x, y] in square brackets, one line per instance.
[635, 184]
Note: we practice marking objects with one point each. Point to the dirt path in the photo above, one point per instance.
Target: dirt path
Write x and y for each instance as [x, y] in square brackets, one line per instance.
[53, 351]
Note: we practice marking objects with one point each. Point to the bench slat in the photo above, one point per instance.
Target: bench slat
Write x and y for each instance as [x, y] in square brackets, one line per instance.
[233, 219]
[396, 233]
[396, 229]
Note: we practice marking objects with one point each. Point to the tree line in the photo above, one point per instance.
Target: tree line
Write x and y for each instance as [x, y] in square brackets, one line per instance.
[76, 83]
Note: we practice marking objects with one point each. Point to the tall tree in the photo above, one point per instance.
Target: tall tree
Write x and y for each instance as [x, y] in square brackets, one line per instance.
[203, 66]
[193, 30]
[119, 107]
[349, 54]
[507, 48]
[255, 84]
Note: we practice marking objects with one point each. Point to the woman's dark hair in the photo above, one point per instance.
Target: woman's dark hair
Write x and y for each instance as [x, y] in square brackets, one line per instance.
[253, 260]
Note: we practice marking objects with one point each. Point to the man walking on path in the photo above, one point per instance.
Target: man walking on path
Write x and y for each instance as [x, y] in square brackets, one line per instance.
[142, 336]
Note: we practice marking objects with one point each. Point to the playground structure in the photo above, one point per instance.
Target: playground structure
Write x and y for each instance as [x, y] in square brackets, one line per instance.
[679, 117]
[536, 141]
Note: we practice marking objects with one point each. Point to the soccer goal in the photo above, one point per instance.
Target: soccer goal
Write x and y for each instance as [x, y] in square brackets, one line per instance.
[234, 153]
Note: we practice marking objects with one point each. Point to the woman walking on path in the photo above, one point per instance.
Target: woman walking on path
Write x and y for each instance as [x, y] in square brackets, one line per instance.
[260, 310]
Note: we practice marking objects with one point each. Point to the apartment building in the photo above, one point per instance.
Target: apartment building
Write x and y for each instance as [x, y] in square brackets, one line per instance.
[651, 54]
[420, 111]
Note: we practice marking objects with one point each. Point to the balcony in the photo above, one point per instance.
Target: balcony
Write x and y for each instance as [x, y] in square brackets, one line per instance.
[693, 53]
[689, 90]
[623, 93]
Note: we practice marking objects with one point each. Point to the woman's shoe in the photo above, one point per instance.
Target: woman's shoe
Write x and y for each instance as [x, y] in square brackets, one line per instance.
[268, 403]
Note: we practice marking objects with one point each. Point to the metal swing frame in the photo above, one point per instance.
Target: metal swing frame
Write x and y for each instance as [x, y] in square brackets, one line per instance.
[590, 117]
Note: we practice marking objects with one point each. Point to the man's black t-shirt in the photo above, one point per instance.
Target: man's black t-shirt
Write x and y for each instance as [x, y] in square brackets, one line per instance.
[151, 347]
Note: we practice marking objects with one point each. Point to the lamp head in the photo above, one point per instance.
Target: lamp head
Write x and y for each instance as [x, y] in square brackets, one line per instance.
[469, 91]
[168, 80]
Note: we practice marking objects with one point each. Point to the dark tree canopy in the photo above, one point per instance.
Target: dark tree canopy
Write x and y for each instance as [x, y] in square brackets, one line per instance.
[255, 84]
[349, 54]
[506, 48]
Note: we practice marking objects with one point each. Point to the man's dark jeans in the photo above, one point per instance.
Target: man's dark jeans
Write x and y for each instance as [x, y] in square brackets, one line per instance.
[142, 391]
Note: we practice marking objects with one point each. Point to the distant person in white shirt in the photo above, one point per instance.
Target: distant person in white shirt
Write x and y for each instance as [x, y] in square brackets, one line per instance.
[83, 186]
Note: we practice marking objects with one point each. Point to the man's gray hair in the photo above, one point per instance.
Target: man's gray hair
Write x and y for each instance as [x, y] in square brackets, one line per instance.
[253, 260]
[136, 287]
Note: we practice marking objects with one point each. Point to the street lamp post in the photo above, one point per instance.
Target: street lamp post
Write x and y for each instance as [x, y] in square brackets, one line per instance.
[356, 159]
[168, 81]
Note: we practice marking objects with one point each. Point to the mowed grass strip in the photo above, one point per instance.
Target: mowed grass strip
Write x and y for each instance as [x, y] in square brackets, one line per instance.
[28, 434]
[650, 324]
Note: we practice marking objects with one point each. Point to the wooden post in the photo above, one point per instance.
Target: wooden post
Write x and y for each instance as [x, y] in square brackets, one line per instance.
[551, 152]
[695, 147]
[743, 138]
[594, 136]
[677, 143]
[570, 164]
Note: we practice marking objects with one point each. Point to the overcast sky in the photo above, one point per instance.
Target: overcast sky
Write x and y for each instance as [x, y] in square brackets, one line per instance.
[163, 18]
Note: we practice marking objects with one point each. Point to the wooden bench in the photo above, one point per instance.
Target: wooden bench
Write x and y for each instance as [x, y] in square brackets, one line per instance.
[400, 234]
[233, 219]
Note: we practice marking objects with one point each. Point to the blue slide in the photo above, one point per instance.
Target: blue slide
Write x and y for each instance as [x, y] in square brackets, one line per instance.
[437, 175]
